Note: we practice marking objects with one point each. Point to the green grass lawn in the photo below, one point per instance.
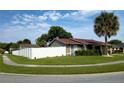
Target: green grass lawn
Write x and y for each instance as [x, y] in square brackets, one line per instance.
[0, 62]
[69, 60]
[57, 70]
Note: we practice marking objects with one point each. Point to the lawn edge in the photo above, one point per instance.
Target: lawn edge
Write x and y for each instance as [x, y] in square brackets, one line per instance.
[102, 73]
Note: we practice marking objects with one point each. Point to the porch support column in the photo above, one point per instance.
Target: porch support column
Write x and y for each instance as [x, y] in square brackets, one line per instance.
[93, 47]
[123, 50]
[85, 47]
[101, 49]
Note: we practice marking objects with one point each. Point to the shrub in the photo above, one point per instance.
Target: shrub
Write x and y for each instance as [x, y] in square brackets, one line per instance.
[87, 52]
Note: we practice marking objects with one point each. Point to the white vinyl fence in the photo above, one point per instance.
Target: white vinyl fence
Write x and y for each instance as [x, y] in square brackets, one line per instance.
[35, 53]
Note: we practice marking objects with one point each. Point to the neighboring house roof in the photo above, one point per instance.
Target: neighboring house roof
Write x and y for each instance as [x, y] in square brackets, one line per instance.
[75, 41]
[28, 46]
[118, 46]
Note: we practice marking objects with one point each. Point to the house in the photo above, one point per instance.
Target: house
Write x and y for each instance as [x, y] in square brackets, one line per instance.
[2, 51]
[118, 48]
[73, 44]
[59, 47]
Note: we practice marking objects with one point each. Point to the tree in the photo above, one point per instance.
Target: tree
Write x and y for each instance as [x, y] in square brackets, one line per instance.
[26, 41]
[41, 42]
[115, 42]
[57, 31]
[8, 46]
[3, 45]
[44, 37]
[107, 25]
[19, 42]
[54, 31]
[14, 45]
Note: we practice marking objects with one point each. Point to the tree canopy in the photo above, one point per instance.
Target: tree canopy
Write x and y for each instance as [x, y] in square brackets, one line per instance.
[54, 31]
[7, 46]
[107, 25]
[57, 31]
[25, 41]
[115, 42]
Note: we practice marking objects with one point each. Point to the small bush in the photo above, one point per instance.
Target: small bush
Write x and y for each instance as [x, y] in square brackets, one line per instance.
[87, 52]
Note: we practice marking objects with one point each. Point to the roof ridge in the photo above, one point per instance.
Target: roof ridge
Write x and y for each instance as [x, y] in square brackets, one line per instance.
[73, 39]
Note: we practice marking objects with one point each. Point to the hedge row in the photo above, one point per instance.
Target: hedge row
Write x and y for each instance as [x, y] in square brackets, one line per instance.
[87, 52]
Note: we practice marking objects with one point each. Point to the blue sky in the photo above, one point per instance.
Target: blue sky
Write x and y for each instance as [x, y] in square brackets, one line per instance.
[17, 25]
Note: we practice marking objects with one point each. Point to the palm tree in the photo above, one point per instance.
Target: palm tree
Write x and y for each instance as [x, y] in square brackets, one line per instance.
[107, 25]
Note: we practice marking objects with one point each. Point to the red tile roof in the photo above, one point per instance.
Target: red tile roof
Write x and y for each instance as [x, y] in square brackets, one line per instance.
[87, 41]
[68, 41]
[76, 41]
[82, 41]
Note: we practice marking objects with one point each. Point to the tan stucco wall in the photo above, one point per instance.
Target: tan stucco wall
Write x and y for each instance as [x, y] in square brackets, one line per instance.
[56, 44]
[69, 50]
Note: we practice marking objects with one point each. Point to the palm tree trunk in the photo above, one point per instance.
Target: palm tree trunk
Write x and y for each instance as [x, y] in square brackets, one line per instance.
[106, 45]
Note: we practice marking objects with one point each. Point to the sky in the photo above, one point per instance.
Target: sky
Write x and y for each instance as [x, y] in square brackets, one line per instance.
[20, 24]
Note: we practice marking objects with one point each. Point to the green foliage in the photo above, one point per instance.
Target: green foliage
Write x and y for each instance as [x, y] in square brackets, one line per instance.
[57, 31]
[106, 24]
[19, 42]
[25, 41]
[7, 46]
[3, 45]
[54, 31]
[41, 42]
[64, 70]
[14, 45]
[44, 37]
[66, 60]
[115, 42]
[87, 52]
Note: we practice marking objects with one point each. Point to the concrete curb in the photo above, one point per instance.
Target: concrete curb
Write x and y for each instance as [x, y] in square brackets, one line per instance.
[2, 73]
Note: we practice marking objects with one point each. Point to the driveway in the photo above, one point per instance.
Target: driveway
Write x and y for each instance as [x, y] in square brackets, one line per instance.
[115, 77]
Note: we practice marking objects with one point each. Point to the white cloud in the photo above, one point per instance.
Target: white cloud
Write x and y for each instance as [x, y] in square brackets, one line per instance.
[80, 15]
[30, 25]
[88, 12]
[42, 18]
[66, 15]
[31, 21]
[16, 32]
[53, 15]
[35, 22]
[25, 26]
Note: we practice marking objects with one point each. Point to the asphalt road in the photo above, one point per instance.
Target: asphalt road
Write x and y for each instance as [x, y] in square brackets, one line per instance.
[115, 77]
